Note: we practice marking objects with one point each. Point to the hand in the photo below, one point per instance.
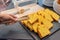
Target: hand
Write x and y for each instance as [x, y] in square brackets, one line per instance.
[7, 18]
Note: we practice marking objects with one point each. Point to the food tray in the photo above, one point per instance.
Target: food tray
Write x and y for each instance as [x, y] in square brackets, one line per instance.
[56, 27]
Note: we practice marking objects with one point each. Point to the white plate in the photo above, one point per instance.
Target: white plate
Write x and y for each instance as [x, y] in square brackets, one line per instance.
[48, 2]
[56, 7]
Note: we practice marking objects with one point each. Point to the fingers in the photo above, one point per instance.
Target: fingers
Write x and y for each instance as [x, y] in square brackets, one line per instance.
[13, 15]
[8, 22]
[12, 18]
